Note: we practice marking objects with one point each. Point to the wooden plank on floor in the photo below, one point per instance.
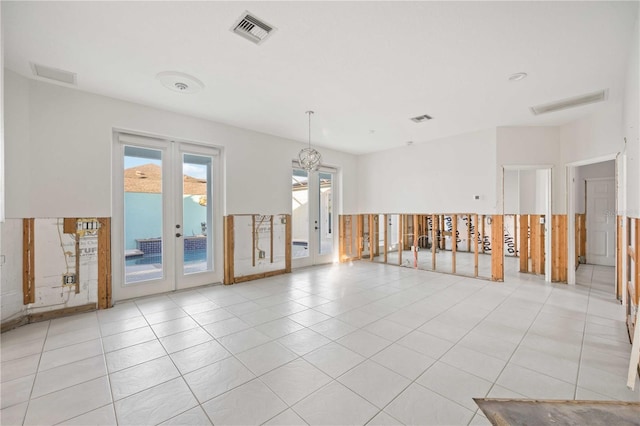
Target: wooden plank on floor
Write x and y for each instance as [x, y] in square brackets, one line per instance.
[28, 261]
[497, 247]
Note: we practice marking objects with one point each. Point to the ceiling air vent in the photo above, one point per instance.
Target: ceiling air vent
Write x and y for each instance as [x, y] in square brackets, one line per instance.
[421, 118]
[49, 73]
[589, 98]
[252, 28]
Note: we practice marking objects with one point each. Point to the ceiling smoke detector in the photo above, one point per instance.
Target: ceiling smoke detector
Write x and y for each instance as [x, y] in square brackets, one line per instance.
[576, 101]
[180, 82]
[421, 118]
[54, 74]
[253, 29]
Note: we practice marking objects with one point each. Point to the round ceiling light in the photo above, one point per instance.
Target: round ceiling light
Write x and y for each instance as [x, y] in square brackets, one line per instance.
[180, 82]
[518, 76]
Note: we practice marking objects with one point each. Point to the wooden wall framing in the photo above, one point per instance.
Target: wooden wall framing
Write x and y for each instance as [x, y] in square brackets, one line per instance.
[559, 248]
[497, 247]
[581, 237]
[28, 261]
[229, 250]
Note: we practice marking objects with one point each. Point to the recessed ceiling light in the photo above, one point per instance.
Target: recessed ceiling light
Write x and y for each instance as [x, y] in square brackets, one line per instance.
[421, 118]
[518, 76]
[180, 82]
[409, 143]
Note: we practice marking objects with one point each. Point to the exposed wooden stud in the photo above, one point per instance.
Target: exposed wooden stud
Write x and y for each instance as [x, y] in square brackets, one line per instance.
[253, 240]
[559, 248]
[372, 238]
[287, 243]
[104, 263]
[386, 242]
[77, 240]
[28, 261]
[482, 233]
[475, 245]
[443, 241]
[468, 233]
[516, 234]
[400, 238]
[537, 244]
[581, 236]
[229, 249]
[454, 241]
[434, 241]
[497, 248]
[360, 236]
[376, 233]
[341, 243]
[524, 243]
[69, 225]
[271, 237]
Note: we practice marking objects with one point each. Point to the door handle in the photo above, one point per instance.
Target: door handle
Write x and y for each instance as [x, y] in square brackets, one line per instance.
[178, 235]
[315, 227]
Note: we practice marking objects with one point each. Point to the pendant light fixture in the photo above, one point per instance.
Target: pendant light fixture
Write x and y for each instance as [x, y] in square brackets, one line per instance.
[309, 158]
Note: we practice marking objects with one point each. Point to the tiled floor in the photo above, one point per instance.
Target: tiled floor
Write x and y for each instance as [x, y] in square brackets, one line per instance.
[357, 343]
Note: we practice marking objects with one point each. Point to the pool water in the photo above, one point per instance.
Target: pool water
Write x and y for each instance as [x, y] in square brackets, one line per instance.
[190, 256]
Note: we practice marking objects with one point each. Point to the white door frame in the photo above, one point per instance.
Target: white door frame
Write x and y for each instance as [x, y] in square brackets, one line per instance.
[548, 209]
[571, 209]
[170, 272]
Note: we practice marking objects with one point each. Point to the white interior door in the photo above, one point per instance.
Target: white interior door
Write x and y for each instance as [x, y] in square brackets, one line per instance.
[600, 206]
[313, 196]
[165, 232]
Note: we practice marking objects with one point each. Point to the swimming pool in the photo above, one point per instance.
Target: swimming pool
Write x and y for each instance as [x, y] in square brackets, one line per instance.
[190, 256]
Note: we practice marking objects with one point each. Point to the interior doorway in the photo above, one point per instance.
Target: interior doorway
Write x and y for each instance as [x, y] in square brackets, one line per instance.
[600, 219]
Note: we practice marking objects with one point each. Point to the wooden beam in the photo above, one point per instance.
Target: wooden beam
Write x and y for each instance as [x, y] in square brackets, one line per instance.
[360, 234]
[271, 238]
[524, 243]
[400, 238]
[469, 233]
[104, 263]
[454, 241]
[386, 242]
[434, 241]
[341, 242]
[28, 261]
[372, 239]
[475, 245]
[287, 243]
[497, 248]
[559, 248]
[253, 240]
[229, 248]
[482, 233]
[77, 254]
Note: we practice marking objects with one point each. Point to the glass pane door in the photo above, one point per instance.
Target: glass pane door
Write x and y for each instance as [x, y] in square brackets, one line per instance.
[195, 225]
[164, 222]
[143, 218]
[313, 218]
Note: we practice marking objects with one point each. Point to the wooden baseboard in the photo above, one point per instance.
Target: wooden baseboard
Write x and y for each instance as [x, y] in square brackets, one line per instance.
[46, 316]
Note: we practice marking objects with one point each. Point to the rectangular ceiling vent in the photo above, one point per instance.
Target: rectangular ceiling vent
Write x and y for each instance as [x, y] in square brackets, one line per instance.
[252, 28]
[421, 118]
[589, 98]
[54, 74]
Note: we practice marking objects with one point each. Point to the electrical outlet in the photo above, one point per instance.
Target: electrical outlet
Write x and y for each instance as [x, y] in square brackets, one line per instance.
[69, 279]
[261, 254]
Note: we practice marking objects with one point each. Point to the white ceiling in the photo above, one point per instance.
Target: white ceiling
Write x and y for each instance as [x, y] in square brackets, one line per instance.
[362, 66]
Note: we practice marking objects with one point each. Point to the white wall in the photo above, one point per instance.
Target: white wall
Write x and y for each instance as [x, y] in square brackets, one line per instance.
[532, 146]
[511, 192]
[433, 177]
[67, 148]
[604, 169]
[631, 124]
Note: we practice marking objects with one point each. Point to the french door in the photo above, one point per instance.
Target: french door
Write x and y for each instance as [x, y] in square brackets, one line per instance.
[314, 224]
[166, 221]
